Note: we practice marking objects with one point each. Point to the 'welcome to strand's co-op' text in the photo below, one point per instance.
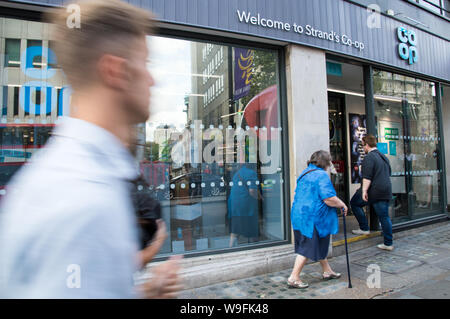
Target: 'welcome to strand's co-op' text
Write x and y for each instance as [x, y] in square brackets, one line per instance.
[247, 17]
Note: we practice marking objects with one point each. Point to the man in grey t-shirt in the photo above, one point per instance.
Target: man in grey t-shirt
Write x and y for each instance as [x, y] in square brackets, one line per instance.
[376, 190]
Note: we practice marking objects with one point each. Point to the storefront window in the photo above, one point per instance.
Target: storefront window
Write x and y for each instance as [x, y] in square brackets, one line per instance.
[12, 52]
[211, 151]
[408, 133]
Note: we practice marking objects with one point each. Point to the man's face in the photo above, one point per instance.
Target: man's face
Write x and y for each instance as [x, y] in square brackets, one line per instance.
[366, 148]
[137, 96]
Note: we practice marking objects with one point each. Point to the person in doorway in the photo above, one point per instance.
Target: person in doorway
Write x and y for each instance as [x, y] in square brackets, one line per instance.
[376, 190]
[314, 218]
[67, 227]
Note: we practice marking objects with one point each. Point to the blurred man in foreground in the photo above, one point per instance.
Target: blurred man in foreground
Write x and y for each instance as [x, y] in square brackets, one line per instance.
[67, 227]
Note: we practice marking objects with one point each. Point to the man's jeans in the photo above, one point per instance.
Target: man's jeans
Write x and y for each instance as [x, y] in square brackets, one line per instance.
[381, 209]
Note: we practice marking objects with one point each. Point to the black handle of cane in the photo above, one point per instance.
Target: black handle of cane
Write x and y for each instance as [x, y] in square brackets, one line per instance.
[346, 250]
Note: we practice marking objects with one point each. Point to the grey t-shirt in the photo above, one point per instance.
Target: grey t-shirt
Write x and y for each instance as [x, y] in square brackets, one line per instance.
[377, 169]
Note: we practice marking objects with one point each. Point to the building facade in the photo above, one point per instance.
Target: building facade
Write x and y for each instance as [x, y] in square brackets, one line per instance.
[246, 91]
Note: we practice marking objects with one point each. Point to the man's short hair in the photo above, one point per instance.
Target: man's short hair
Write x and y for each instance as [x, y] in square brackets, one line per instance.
[106, 27]
[370, 140]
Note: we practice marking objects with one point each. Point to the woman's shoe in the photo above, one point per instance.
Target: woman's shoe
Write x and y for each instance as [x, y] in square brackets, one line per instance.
[297, 284]
[328, 276]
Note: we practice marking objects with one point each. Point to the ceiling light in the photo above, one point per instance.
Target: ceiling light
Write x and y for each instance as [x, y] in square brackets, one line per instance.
[346, 92]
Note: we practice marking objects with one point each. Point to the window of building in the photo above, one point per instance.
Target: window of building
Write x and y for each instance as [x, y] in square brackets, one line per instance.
[12, 53]
[59, 102]
[5, 101]
[16, 101]
[447, 8]
[408, 133]
[34, 54]
[441, 7]
[52, 61]
[220, 190]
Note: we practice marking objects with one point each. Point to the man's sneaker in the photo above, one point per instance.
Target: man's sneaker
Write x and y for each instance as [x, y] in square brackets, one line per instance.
[361, 232]
[384, 247]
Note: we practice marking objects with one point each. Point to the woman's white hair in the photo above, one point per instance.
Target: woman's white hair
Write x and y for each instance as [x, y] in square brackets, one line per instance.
[321, 159]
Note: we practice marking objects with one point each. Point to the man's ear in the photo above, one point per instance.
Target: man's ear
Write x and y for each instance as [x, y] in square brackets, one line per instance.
[112, 71]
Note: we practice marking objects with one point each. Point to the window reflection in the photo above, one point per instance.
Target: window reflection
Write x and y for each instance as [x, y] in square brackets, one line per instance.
[32, 96]
[408, 133]
[212, 146]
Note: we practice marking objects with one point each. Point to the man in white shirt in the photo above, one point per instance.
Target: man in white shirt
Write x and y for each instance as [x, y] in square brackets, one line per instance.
[67, 225]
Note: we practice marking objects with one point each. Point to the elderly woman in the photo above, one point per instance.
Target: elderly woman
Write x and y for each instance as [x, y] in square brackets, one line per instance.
[314, 217]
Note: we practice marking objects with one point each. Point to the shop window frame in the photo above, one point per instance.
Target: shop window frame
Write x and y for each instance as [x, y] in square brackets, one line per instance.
[370, 111]
[282, 96]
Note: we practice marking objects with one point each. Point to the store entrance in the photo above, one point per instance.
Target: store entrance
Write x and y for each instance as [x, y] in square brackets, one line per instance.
[347, 123]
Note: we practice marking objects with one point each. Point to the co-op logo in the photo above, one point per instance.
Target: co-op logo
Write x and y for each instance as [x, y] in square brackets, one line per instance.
[407, 48]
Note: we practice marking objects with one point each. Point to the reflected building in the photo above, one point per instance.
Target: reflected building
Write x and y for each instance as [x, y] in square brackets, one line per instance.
[210, 101]
[28, 42]
[33, 92]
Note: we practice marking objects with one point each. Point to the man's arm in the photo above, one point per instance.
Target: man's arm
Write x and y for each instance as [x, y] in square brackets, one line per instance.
[367, 175]
[365, 189]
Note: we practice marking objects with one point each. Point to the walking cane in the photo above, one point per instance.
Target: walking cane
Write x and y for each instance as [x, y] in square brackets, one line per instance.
[346, 251]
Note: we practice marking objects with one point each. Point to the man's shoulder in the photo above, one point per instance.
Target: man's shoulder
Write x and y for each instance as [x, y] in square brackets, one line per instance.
[372, 157]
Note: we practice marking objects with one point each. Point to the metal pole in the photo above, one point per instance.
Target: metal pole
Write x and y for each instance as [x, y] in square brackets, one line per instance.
[441, 144]
[371, 128]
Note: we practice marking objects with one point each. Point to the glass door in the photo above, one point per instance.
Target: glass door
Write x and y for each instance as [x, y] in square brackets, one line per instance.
[336, 116]
[391, 130]
[408, 134]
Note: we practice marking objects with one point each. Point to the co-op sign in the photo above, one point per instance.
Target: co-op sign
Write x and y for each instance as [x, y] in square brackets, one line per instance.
[308, 30]
[407, 49]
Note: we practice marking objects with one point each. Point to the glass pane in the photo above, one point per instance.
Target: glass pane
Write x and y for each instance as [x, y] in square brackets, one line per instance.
[336, 121]
[425, 168]
[12, 53]
[52, 62]
[433, 5]
[212, 147]
[34, 53]
[447, 8]
[407, 123]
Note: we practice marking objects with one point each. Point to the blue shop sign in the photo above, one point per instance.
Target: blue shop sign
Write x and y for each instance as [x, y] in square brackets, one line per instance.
[407, 48]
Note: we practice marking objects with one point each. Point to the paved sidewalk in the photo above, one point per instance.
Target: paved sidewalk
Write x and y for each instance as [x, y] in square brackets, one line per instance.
[419, 267]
